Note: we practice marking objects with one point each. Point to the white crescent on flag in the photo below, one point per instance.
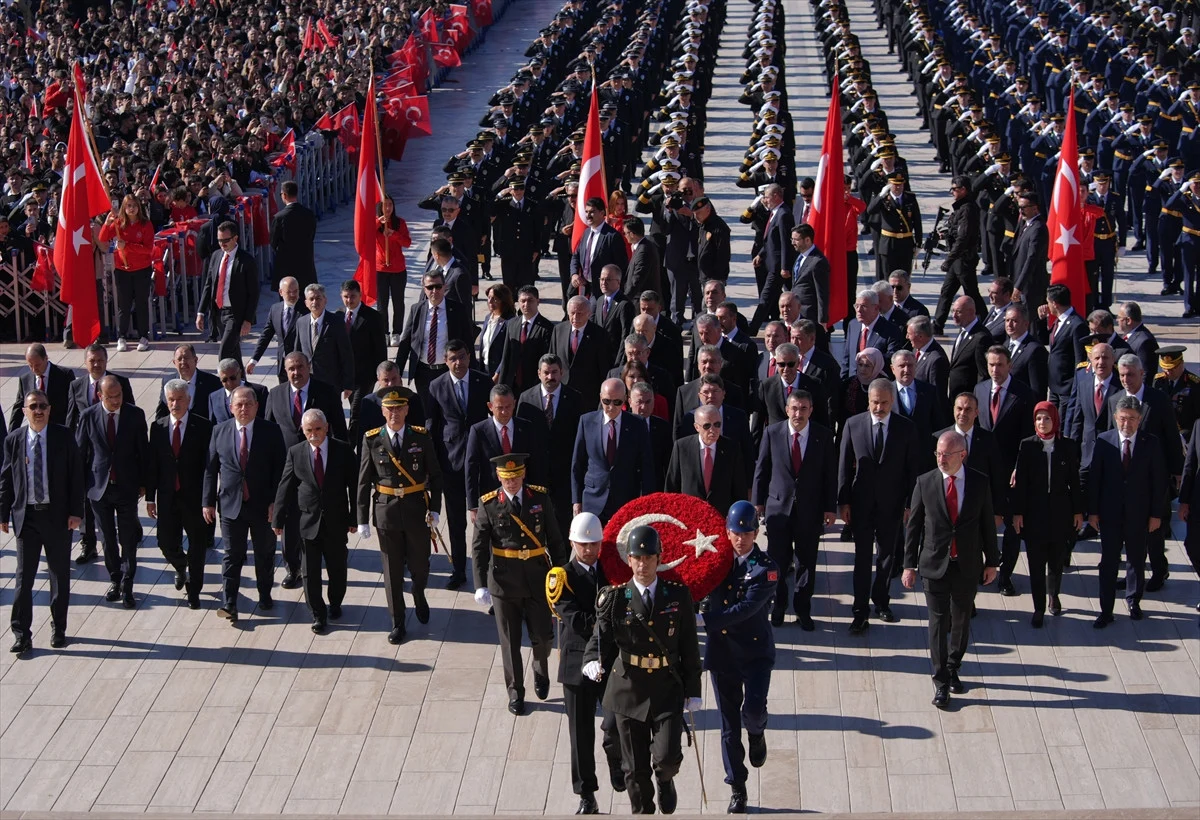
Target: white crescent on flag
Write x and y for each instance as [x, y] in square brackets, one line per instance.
[822, 169]
[590, 168]
[410, 111]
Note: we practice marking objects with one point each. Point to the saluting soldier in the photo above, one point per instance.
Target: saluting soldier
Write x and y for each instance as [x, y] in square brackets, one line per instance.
[741, 648]
[646, 636]
[516, 541]
[400, 479]
[1181, 385]
[899, 225]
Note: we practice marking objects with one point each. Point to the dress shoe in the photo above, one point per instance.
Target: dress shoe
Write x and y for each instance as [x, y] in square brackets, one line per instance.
[455, 582]
[885, 614]
[180, 579]
[1036, 620]
[127, 600]
[396, 635]
[291, 581]
[859, 625]
[1135, 611]
[777, 617]
[266, 603]
[616, 779]
[193, 602]
[737, 801]
[941, 696]
[335, 611]
[806, 623]
[113, 594]
[1156, 582]
[956, 684]
[1056, 606]
[21, 646]
[318, 626]
[229, 613]
[1102, 621]
[758, 750]
[541, 687]
[517, 706]
[587, 804]
[57, 640]
[421, 606]
[1007, 589]
[87, 555]
[668, 799]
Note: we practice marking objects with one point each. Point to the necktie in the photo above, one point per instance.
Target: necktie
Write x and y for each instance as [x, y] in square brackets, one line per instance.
[1054, 332]
[549, 409]
[244, 461]
[918, 356]
[297, 409]
[996, 403]
[952, 511]
[462, 395]
[505, 441]
[39, 471]
[313, 334]
[1012, 350]
[574, 341]
[611, 452]
[95, 392]
[862, 339]
[287, 321]
[604, 310]
[431, 349]
[349, 319]
[395, 442]
[708, 468]
[878, 448]
[319, 468]
[1126, 455]
[221, 282]
[585, 256]
[770, 368]
[524, 331]
[112, 445]
[797, 458]
[962, 335]
[906, 400]
[1099, 397]
[515, 505]
[787, 393]
[647, 601]
[41, 383]
[176, 444]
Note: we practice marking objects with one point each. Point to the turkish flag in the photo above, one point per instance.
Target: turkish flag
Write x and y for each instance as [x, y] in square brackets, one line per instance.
[325, 123]
[84, 196]
[445, 55]
[1065, 220]
[394, 130]
[366, 201]
[288, 158]
[348, 129]
[828, 214]
[483, 11]
[591, 174]
[416, 112]
[43, 272]
[312, 41]
[429, 27]
[326, 36]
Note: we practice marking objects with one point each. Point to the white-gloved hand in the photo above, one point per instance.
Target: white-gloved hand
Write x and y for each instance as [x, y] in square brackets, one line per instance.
[592, 670]
[693, 704]
[364, 530]
[483, 596]
[434, 519]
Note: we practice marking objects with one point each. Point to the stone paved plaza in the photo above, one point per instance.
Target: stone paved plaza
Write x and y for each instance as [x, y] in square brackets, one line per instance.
[163, 709]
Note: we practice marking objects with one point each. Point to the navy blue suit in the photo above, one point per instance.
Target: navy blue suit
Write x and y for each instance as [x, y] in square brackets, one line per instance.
[1189, 493]
[603, 489]
[741, 653]
[218, 409]
[1061, 361]
[206, 385]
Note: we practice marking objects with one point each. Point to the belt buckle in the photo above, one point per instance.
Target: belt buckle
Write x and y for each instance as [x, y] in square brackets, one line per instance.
[400, 492]
[652, 662]
[523, 553]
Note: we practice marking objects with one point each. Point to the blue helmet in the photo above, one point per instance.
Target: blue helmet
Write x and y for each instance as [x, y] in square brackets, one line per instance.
[742, 517]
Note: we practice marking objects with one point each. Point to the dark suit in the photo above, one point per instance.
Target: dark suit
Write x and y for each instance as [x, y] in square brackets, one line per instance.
[685, 472]
[1189, 493]
[606, 247]
[558, 441]
[519, 362]
[58, 383]
[1029, 257]
[1143, 344]
[1031, 365]
[206, 385]
[810, 281]
[244, 498]
[586, 368]
[616, 321]
[950, 583]
[368, 345]
[964, 371]
[1125, 500]
[117, 472]
[644, 271]
[449, 427]
[176, 485]
[735, 426]
[983, 455]
[285, 339]
[777, 256]
[325, 507]
[603, 488]
[454, 322]
[292, 233]
[82, 393]
[794, 503]
[43, 525]
[1012, 425]
[772, 402]
[1048, 500]
[883, 336]
[1061, 362]
[218, 403]
[488, 361]
[928, 413]
[933, 367]
[877, 491]
[242, 307]
[483, 444]
[332, 359]
[456, 282]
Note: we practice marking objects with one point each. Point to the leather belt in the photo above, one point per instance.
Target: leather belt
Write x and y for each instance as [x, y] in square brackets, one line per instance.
[894, 235]
[1191, 231]
[399, 492]
[38, 507]
[1103, 236]
[523, 554]
[645, 662]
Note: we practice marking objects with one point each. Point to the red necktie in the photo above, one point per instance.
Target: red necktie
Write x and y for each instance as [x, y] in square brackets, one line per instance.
[1099, 397]
[112, 444]
[1126, 455]
[797, 458]
[952, 510]
[574, 342]
[176, 444]
[319, 468]
[524, 331]
[297, 408]
[787, 393]
[1053, 328]
[349, 319]
[243, 461]
[918, 356]
[862, 340]
[221, 282]
[612, 443]
[771, 368]
[708, 469]
[996, 403]
[431, 349]
[505, 442]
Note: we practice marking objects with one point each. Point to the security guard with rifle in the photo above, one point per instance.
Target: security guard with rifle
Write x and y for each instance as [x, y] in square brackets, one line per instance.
[741, 648]
[646, 638]
[400, 480]
[516, 541]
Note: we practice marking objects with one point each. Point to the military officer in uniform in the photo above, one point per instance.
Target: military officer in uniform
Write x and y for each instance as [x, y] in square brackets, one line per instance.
[571, 590]
[1181, 385]
[645, 637]
[741, 648]
[516, 540]
[400, 479]
[900, 225]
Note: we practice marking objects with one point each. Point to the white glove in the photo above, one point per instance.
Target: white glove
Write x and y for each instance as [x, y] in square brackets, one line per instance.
[693, 704]
[483, 597]
[434, 520]
[364, 530]
[593, 671]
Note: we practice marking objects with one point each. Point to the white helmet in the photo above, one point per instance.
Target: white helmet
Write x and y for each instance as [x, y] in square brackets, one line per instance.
[586, 528]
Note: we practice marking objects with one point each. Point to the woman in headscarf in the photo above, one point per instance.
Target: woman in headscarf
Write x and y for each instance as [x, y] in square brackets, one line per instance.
[1047, 505]
[869, 366]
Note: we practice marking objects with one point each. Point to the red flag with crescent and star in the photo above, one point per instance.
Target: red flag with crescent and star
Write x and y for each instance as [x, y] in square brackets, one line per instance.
[348, 129]
[828, 214]
[591, 172]
[1064, 220]
[84, 196]
[368, 194]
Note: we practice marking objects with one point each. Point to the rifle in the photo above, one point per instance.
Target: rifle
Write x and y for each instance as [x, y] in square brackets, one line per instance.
[935, 239]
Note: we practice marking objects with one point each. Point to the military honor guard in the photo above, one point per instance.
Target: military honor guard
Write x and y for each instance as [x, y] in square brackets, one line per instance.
[400, 489]
[516, 541]
[645, 640]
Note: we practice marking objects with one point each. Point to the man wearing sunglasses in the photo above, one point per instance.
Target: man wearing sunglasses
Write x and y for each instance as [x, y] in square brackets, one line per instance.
[429, 325]
[231, 289]
[708, 465]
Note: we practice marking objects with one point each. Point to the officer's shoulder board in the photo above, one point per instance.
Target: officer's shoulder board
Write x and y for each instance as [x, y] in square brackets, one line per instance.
[416, 428]
[488, 496]
[538, 489]
[605, 597]
[374, 432]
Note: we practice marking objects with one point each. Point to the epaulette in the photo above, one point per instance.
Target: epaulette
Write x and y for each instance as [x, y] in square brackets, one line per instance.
[538, 489]
[374, 432]
[488, 496]
[418, 428]
[1081, 365]
[604, 599]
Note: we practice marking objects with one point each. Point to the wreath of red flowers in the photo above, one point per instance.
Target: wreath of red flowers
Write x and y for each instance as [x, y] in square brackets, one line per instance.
[695, 549]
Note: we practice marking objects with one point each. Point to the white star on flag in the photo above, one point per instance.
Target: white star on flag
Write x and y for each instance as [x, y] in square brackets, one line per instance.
[78, 240]
[703, 543]
[1066, 237]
